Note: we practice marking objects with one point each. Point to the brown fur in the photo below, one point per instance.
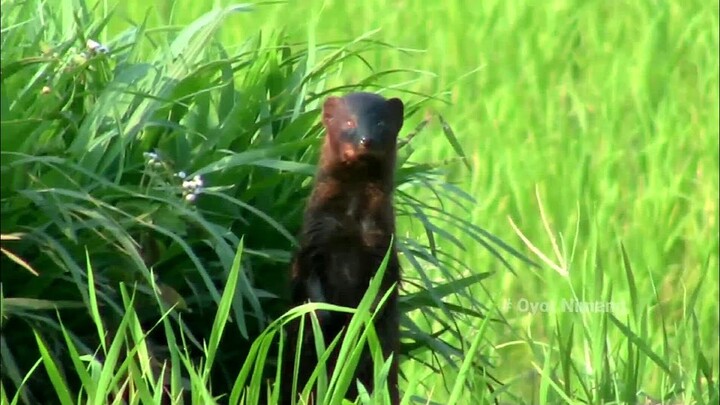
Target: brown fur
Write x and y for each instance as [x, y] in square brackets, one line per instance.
[348, 226]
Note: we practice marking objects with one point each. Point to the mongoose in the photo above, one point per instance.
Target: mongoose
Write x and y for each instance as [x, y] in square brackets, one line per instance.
[348, 225]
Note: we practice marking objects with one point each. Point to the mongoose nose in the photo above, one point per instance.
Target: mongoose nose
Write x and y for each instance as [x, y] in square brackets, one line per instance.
[365, 142]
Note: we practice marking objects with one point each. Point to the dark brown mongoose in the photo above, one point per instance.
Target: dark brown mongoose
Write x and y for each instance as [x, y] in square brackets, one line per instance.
[348, 226]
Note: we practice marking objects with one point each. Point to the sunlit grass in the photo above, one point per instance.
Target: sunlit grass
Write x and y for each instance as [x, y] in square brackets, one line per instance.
[591, 128]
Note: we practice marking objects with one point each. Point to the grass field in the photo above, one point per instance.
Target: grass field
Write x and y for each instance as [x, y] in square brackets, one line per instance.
[591, 129]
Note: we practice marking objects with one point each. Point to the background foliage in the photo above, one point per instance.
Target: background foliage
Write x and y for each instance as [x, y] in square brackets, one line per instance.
[591, 135]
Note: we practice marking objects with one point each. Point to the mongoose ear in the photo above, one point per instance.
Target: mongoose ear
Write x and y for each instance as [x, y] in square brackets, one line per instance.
[396, 111]
[330, 110]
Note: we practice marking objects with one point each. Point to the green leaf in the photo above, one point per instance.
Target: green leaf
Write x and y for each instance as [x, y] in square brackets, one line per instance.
[221, 317]
[56, 379]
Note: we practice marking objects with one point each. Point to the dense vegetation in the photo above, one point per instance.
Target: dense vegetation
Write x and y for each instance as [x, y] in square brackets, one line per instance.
[155, 166]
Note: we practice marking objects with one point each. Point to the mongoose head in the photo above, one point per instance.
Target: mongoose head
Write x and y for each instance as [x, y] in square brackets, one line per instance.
[362, 125]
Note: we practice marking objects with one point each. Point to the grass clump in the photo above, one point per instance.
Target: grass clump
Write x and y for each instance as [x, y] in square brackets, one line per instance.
[589, 134]
[151, 184]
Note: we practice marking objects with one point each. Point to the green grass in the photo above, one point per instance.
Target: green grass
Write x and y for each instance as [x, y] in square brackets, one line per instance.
[591, 129]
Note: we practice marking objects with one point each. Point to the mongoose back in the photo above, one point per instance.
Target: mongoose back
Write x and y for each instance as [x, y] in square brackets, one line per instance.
[348, 226]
